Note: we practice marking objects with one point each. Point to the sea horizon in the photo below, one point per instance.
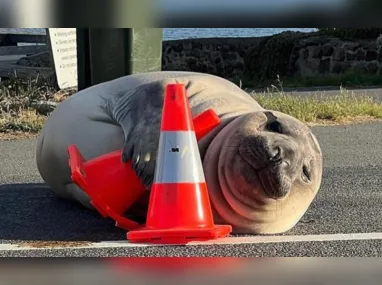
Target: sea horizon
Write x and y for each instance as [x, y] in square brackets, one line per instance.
[192, 33]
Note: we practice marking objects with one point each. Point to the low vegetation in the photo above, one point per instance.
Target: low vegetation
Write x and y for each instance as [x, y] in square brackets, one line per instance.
[350, 79]
[316, 108]
[25, 106]
[320, 108]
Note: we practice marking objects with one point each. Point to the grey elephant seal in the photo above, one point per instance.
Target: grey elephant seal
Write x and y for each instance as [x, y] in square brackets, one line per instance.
[263, 168]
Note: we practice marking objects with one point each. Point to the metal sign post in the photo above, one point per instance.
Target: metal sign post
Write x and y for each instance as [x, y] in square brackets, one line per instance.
[105, 54]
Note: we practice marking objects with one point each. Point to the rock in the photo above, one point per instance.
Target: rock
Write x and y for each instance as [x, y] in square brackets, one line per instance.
[198, 46]
[233, 48]
[315, 41]
[307, 68]
[44, 107]
[352, 46]
[195, 52]
[371, 55]
[242, 52]
[369, 45]
[305, 54]
[287, 55]
[179, 47]
[350, 56]
[360, 67]
[192, 60]
[317, 52]
[226, 48]
[239, 65]
[327, 50]
[372, 67]
[324, 66]
[339, 54]
[229, 56]
[360, 55]
[340, 67]
[229, 69]
[168, 49]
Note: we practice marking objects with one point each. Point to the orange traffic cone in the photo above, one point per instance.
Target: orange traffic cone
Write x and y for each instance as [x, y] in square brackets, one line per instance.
[179, 207]
[112, 185]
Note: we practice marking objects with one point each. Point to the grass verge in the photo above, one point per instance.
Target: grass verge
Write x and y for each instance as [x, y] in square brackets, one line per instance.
[19, 116]
[349, 79]
[319, 109]
[23, 121]
[25, 106]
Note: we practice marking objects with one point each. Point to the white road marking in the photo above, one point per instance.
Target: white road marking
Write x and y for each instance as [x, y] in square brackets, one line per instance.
[222, 241]
[84, 245]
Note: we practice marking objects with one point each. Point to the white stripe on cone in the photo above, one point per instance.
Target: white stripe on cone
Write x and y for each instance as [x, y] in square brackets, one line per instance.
[179, 158]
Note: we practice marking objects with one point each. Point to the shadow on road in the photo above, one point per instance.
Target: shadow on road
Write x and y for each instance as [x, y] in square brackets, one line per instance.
[32, 212]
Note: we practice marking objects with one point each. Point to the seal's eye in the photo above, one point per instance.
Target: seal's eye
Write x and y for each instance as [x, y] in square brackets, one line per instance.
[306, 174]
[274, 126]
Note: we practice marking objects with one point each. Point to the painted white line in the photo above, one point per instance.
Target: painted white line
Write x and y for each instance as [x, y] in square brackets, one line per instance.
[68, 245]
[222, 241]
[301, 238]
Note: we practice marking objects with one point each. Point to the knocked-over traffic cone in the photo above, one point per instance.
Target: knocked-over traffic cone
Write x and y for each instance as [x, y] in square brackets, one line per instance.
[113, 186]
[179, 208]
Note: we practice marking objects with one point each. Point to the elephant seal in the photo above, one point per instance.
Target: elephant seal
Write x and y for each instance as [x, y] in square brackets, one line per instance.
[263, 168]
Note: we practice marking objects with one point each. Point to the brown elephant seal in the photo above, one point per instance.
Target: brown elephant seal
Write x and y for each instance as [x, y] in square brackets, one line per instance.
[263, 168]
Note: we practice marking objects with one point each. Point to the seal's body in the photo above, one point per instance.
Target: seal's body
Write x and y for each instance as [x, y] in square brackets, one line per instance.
[262, 168]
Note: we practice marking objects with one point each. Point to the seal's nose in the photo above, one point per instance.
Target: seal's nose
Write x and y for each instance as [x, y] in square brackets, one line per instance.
[275, 154]
[280, 154]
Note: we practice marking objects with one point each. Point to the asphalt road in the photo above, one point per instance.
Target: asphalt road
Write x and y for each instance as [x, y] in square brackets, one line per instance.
[349, 202]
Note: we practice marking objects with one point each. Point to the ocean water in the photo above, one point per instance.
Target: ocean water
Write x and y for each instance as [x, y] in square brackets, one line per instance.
[189, 33]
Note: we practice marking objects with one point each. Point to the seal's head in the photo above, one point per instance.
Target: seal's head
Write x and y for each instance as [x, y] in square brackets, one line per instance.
[263, 171]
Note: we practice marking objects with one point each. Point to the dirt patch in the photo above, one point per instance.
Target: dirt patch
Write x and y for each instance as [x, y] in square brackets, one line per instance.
[52, 244]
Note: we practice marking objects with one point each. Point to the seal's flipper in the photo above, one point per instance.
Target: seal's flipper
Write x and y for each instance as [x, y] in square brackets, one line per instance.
[134, 112]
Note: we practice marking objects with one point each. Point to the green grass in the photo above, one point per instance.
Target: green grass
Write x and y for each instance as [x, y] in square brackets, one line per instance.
[346, 80]
[24, 121]
[315, 108]
[17, 113]
[349, 79]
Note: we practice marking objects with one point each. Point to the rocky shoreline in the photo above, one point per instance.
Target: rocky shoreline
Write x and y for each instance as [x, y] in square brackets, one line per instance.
[288, 55]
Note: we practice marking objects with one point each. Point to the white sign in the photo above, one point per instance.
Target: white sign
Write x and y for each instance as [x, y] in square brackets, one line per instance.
[64, 48]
